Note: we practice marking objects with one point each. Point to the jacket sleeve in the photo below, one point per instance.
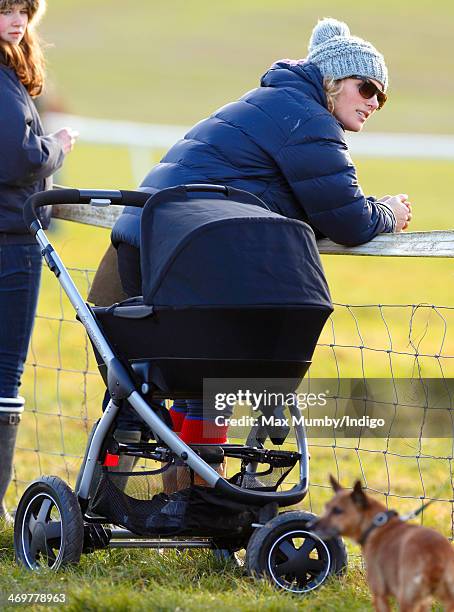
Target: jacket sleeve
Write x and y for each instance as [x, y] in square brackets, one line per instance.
[323, 179]
[25, 157]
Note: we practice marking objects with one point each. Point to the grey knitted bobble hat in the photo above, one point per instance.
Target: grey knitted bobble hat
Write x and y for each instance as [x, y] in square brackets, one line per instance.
[337, 54]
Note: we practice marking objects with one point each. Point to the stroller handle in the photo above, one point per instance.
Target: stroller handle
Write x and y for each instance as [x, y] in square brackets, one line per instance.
[96, 197]
[206, 187]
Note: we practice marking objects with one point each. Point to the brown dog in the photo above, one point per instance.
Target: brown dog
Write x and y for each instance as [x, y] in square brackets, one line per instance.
[410, 562]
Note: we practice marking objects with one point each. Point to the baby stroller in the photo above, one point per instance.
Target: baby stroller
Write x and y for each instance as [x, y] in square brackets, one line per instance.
[231, 291]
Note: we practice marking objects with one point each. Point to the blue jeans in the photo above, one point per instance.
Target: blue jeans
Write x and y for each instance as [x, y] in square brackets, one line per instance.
[20, 273]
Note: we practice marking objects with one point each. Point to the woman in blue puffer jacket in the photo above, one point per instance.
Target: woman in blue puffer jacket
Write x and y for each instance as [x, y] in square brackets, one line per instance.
[285, 143]
[28, 158]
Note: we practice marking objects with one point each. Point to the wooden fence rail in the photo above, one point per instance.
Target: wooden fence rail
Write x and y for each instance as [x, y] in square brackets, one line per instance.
[405, 244]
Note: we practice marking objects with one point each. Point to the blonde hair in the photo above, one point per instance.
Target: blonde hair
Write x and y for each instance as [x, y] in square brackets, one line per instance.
[332, 89]
[26, 59]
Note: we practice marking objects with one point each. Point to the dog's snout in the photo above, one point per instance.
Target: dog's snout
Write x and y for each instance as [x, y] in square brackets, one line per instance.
[320, 527]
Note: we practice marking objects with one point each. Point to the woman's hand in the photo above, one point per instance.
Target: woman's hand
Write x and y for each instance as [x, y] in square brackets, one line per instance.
[67, 138]
[401, 208]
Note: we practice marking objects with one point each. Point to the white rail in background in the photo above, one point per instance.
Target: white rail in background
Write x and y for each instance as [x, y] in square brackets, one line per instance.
[156, 136]
[142, 139]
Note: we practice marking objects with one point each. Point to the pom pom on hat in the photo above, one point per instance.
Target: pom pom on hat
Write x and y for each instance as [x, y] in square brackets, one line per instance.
[338, 54]
[325, 29]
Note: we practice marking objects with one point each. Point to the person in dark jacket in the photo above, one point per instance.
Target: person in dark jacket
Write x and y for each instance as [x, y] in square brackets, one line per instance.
[28, 158]
[284, 142]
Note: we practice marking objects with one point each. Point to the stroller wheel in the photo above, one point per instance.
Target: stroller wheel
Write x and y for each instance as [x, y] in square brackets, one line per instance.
[292, 557]
[48, 527]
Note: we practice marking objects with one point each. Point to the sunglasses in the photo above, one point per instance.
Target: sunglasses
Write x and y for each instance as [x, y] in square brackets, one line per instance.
[368, 90]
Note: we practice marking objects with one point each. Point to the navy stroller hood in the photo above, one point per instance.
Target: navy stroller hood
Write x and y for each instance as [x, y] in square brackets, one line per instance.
[226, 250]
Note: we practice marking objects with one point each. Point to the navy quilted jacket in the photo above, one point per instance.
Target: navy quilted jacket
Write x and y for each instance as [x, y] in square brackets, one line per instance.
[279, 142]
[28, 157]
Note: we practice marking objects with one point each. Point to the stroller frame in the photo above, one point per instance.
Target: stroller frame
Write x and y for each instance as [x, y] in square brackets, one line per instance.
[122, 387]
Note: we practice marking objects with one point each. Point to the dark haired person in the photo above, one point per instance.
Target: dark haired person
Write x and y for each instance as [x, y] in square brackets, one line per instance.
[28, 158]
[285, 143]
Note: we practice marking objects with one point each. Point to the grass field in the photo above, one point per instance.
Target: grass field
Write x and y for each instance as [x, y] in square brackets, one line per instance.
[175, 63]
[189, 581]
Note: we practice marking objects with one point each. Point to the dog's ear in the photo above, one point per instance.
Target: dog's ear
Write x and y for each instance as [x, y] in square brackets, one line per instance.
[358, 496]
[333, 482]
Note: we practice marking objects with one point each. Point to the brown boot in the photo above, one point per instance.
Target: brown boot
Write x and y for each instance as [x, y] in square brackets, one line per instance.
[184, 480]
[169, 480]
[220, 468]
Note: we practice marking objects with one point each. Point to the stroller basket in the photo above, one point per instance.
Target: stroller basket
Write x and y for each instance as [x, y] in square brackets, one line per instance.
[136, 500]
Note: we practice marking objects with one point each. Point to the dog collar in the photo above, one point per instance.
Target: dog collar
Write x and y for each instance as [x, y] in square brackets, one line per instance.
[379, 520]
